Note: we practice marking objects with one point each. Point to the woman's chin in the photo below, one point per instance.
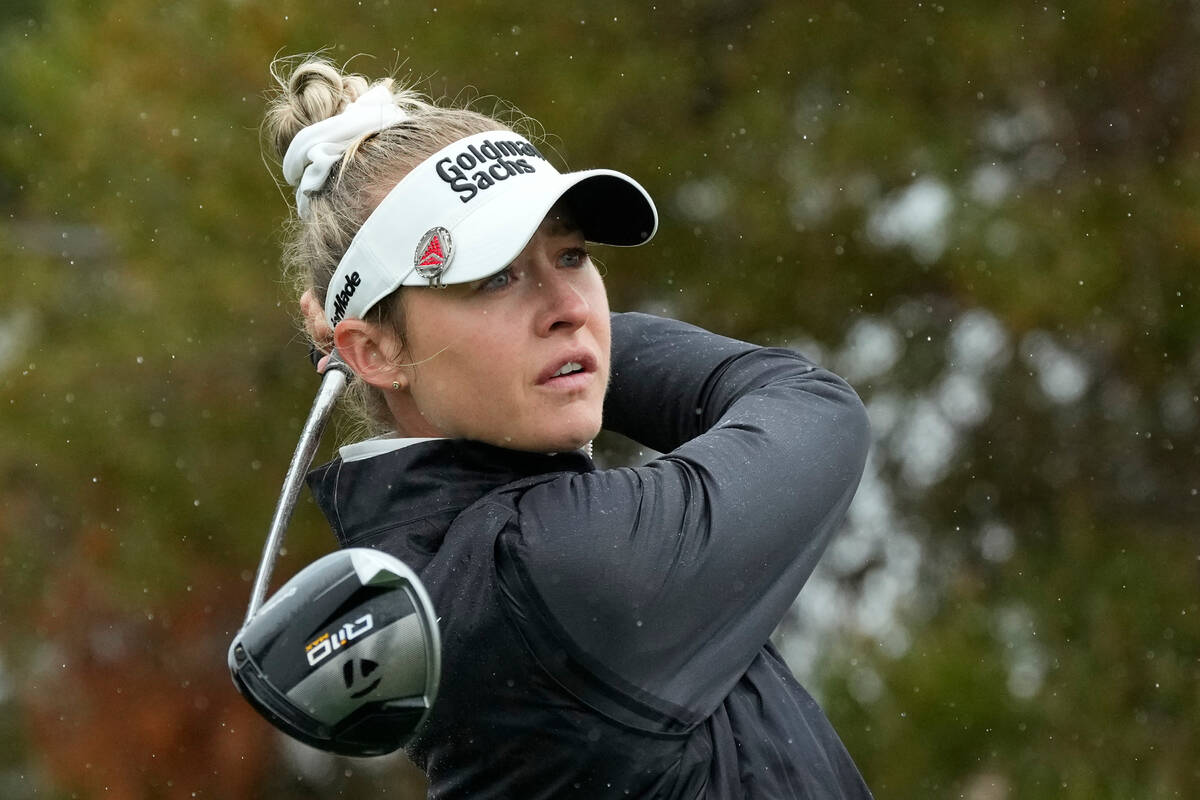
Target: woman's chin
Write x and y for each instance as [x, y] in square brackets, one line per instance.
[549, 441]
[579, 437]
[573, 444]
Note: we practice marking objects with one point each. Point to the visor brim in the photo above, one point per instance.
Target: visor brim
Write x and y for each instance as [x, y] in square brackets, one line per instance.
[609, 208]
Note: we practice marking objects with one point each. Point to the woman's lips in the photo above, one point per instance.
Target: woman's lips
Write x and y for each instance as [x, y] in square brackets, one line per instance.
[574, 379]
[573, 382]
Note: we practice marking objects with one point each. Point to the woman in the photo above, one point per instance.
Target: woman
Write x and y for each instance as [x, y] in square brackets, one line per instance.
[605, 632]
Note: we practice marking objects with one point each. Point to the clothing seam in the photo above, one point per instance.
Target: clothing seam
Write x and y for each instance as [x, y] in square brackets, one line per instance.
[405, 523]
[572, 652]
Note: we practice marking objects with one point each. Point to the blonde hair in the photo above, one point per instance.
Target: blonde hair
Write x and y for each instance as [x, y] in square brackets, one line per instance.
[309, 89]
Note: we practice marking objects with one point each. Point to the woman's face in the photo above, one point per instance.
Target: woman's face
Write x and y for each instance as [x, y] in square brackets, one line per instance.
[519, 359]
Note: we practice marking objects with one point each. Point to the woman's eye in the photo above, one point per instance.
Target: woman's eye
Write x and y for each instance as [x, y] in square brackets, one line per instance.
[499, 280]
[575, 257]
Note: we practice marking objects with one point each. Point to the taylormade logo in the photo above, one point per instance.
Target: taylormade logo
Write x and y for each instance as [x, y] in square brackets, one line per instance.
[342, 298]
[492, 161]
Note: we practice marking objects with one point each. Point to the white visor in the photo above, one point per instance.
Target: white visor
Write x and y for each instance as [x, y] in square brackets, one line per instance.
[468, 211]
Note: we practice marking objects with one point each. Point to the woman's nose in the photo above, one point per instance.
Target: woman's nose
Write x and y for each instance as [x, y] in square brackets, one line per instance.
[564, 305]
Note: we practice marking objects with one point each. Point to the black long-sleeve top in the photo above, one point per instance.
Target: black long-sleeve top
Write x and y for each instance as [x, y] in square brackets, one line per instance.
[605, 632]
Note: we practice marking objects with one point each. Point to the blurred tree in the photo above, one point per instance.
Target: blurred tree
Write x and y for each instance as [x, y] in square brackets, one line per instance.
[982, 214]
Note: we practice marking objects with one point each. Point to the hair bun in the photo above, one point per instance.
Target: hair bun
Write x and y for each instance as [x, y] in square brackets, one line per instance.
[310, 92]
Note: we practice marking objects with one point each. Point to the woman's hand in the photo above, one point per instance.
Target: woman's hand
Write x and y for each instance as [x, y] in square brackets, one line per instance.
[317, 328]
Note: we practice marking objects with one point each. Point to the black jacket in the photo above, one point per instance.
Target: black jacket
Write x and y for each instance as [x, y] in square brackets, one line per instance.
[605, 632]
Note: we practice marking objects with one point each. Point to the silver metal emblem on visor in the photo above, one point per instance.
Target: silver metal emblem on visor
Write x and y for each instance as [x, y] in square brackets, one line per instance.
[433, 255]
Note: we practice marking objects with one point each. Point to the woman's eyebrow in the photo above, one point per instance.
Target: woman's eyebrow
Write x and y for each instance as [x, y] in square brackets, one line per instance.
[559, 224]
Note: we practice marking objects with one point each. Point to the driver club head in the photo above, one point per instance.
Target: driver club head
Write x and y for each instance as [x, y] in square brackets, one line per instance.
[345, 657]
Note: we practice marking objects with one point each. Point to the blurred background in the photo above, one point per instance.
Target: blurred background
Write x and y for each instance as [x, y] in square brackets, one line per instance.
[982, 214]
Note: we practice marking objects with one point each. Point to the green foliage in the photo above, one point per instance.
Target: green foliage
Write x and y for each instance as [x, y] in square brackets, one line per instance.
[153, 384]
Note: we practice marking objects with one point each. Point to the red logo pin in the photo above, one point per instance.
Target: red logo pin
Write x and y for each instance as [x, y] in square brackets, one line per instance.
[433, 255]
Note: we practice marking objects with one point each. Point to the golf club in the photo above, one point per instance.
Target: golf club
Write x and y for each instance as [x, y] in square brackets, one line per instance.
[346, 656]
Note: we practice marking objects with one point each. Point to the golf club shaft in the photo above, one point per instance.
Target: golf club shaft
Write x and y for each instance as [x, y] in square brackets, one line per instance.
[332, 384]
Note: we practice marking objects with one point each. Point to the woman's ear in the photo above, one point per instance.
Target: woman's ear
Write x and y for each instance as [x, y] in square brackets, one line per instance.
[372, 353]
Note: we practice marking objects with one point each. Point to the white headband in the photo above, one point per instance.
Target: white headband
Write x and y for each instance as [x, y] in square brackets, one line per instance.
[468, 211]
[316, 148]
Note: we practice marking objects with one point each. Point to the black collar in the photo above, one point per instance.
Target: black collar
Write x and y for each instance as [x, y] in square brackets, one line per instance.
[418, 490]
